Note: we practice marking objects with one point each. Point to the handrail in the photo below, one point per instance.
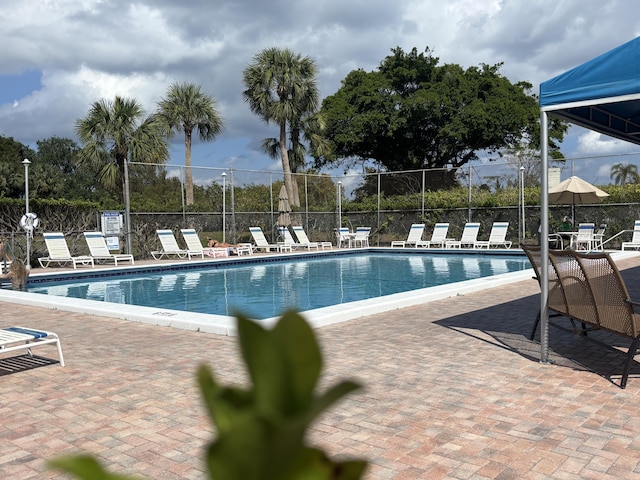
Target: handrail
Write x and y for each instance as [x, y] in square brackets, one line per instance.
[616, 235]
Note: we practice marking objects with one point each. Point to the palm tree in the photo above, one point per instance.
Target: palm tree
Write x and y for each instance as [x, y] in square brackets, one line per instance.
[311, 128]
[281, 88]
[623, 174]
[115, 132]
[185, 108]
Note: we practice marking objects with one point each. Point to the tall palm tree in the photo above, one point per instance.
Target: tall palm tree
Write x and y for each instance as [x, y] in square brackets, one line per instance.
[185, 108]
[623, 174]
[116, 131]
[281, 87]
[311, 128]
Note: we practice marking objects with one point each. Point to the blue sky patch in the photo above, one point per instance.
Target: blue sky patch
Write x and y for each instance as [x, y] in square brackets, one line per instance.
[15, 87]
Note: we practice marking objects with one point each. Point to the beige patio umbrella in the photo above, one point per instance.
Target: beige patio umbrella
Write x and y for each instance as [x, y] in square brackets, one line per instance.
[575, 190]
[284, 207]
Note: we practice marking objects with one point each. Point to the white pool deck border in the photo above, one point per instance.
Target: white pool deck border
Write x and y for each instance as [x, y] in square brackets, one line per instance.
[225, 325]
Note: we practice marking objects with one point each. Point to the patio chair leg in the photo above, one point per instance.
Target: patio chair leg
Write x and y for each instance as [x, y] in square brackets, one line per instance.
[627, 366]
[535, 326]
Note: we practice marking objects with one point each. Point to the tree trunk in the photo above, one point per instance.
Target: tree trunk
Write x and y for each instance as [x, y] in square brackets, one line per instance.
[187, 174]
[286, 169]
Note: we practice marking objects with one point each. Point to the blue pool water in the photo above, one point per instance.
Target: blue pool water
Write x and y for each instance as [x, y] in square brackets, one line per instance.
[267, 289]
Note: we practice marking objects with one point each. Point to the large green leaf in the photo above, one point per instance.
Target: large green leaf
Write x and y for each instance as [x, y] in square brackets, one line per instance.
[301, 358]
[265, 364]
[86, 467]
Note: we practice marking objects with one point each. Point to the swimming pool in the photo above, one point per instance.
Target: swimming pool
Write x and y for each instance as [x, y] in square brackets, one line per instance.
[328, 287]
[268, 289]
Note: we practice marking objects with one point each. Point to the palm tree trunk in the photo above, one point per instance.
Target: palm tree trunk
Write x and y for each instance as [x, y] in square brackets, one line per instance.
[286, 168]
[187, 162]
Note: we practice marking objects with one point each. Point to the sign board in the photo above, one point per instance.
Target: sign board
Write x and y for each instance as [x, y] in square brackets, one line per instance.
[111, 223]
[554, 176]
[113, 243]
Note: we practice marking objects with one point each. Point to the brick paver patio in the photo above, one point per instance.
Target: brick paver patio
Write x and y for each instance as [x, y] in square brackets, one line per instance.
[453, 389]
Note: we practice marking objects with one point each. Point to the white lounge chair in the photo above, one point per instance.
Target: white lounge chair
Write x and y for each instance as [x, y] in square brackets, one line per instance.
[169, 246]
[22, 338]
[415, 235]
[261, 242]
[288, 239]
[304, 239]
[100, 252]
[362, 236]
[497, 237]
[469, 236]
[635, 239]
[59, 252]
[195, 248]
[438, 237]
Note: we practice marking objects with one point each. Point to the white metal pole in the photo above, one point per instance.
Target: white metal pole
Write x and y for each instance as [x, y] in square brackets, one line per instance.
[224, 207]
[26, 164]
[522, 223]
[544, 239]
[339, 193]
[127, 207]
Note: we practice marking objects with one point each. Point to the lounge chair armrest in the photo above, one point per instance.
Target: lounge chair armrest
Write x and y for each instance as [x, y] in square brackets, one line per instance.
[633, 304]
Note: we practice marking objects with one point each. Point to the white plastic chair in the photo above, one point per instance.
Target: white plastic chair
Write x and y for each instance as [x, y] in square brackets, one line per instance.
[584, 239]
[362, 236]
[100, 252]
[288, 239]
[635, 239]
[469, 236]
[304, 239]
[169, 246]
[344, 236]
[414, 236]
[438, 237]
[59, 252]
[497, 237]
[261, 242]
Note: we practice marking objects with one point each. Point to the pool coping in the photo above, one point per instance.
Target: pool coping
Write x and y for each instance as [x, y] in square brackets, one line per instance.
[225, 325]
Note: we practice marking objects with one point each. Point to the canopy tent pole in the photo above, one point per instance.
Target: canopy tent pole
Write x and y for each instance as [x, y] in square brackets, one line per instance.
[544, 237]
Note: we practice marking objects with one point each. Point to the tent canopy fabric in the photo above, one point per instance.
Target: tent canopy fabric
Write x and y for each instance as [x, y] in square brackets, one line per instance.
[602, 94]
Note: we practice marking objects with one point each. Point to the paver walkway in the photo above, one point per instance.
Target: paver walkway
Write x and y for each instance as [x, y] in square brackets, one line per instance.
[453, 389]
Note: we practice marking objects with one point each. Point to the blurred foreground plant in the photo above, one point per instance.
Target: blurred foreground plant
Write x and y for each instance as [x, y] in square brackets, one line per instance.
[261, 430]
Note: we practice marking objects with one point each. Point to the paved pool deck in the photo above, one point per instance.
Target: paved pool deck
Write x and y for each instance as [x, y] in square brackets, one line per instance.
[453, 390]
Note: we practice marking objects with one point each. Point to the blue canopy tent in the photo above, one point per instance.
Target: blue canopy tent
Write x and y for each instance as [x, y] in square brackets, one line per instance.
[603, 95]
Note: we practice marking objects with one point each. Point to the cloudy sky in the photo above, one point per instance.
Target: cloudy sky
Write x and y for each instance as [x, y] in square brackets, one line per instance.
[59, 56]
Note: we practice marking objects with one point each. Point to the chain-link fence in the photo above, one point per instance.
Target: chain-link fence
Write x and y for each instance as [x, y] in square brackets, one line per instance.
[228, 201]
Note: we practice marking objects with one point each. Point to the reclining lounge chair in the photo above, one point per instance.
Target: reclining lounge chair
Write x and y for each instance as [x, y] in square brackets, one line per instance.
[261, 242]
[415, 235]
[100, 252]
[169, 246]
[59, 252]
[21, 338]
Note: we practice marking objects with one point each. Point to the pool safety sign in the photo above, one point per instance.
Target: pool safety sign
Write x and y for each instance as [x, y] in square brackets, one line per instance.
[111, 223]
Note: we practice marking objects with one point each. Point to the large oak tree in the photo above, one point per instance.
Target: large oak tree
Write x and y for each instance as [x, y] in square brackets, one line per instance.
[412, 113]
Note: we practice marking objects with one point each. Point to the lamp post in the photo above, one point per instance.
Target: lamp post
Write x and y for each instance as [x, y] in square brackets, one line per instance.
[26, 164]
[522, 222]
[224, 206]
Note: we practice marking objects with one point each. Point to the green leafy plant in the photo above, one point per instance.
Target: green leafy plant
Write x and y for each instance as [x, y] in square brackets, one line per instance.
[261, 429]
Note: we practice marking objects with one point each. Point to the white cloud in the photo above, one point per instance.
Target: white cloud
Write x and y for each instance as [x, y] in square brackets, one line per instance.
[594, 143]
[92, 49]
